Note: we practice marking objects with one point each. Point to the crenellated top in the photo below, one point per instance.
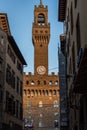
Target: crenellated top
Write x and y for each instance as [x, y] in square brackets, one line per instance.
[41, 6]
[34, 80]
[30, 73]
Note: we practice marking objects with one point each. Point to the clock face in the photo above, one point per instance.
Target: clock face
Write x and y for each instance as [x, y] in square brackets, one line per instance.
[41, 70]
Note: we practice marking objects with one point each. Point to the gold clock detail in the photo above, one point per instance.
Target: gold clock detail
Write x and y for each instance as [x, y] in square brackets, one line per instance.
[41, 70]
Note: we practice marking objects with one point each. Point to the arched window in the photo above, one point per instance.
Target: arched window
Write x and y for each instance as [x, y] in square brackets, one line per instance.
[44, 82]
[27, 82]
[29, 104]
[56, 113]
[40, 123]
[56, 82]
[41, 19]
[55, 103]
[38, 82]
[40, 104]
[55, 123]
[24, 92]
[50, 82]
[32, 82]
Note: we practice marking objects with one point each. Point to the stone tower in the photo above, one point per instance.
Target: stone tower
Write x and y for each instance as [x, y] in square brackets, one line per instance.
[40, 37]
[41, 90]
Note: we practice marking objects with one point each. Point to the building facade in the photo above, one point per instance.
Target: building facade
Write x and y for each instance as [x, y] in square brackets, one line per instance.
[11, 79]
[73, 14]
[63, 85]
[41, 90]
[2, 66]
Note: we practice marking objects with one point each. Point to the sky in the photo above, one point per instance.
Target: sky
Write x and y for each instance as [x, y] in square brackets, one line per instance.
[20, 17]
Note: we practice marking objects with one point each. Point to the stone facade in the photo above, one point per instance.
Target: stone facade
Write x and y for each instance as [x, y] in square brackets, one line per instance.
[73, 14]
[2, 71]
[11, 78]
[41, 97]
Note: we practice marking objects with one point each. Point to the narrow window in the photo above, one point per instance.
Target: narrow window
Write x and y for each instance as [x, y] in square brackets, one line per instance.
[71, 13]
[55, 123]
[54, 92]
[44, 82]
[75, 1]
[78, 38]
[56, 82]
[8, 74]
[73, 57]
[27, 82]
[50, 82]
[24, 92]
[17, 88]
[13, 79]
[21, 87]
[38, 82]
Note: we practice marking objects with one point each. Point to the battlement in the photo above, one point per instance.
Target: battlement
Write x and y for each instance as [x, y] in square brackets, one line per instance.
[31, 74]
[45, 7]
